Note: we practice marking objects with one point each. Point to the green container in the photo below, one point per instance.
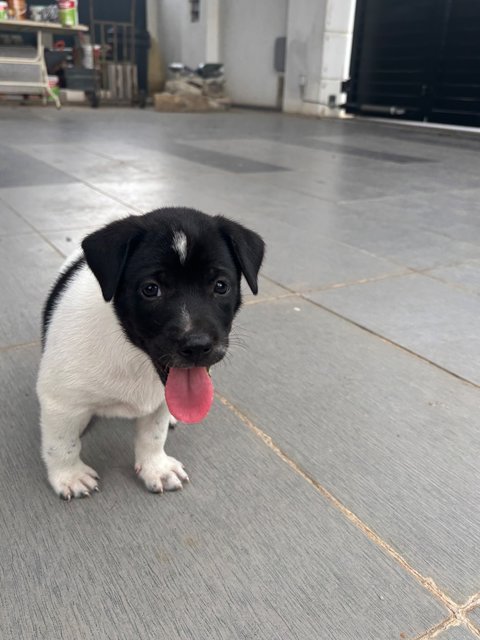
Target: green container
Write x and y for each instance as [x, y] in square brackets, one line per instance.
[56, 92]
[68, 13]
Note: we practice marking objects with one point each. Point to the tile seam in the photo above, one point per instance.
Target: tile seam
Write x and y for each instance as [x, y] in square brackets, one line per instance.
[339, 285]
[458, 618]
[426, 582]
[471, 627]
[343, 285]
[439, 628]
[34, 229]
[303, 296]
[393, 343]
[20, 345]
[283, 296]
[472, 602]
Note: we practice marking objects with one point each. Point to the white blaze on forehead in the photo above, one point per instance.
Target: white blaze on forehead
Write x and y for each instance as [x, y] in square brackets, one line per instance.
[187, 321]
[180, 245]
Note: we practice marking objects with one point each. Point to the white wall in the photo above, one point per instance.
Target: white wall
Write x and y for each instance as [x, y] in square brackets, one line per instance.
[337, 48]
[156, 66]
[318, 54]
[241, 34]
[181, 40]
[306, 23]
[170, 17]
[248, 31]
[194, 36]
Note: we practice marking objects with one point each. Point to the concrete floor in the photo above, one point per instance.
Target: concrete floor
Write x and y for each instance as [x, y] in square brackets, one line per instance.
[335, 486]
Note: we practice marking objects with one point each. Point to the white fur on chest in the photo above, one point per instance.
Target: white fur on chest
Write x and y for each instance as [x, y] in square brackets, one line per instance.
[88, 361]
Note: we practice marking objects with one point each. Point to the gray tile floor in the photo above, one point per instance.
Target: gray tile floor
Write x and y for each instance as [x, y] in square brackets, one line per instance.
[335, 485]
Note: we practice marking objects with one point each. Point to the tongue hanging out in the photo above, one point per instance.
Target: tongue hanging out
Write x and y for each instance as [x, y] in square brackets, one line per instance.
[189, 394]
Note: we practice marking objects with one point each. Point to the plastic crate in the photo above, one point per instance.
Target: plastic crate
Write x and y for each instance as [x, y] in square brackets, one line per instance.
[81, 79]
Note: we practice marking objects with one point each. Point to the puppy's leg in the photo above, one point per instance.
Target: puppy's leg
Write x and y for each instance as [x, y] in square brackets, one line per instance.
[158, 471]
[61, 430]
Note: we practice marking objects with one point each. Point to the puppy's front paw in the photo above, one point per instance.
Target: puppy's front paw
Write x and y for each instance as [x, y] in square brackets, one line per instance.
[77, 481]
[161, 473]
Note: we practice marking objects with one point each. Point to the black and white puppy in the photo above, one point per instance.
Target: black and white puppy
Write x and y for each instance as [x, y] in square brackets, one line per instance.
[130, 329]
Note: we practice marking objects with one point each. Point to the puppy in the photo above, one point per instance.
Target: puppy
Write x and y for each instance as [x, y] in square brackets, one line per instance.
[131, 328]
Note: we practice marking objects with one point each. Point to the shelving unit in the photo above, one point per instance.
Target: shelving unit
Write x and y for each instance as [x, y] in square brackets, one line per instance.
[22, 68]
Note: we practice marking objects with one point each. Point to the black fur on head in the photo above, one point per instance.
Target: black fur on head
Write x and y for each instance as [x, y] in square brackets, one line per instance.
[174, 278]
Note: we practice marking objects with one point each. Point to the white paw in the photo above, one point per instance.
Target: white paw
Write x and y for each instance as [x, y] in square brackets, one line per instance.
[161, 473]
[77, 481]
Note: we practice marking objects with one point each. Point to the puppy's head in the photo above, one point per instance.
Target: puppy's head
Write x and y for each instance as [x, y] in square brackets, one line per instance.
[174, 278]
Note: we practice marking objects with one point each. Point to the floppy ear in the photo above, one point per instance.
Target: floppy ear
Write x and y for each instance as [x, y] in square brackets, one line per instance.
[106, 252]
[247, 248]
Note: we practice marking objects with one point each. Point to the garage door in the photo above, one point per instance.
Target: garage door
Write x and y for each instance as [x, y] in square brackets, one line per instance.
[417, 60]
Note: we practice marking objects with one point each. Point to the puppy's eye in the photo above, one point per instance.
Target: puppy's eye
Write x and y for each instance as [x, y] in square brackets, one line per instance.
[221, 287]
[151, 290]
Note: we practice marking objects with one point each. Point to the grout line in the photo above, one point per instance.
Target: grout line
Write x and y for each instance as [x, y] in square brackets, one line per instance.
[282, 286]
[433, 632]
[452, 285]
[89, 185]
[458, 613]
[426, 582]
[127, 205]
[54, 247]
[407, 271]
[472, 602]
[249, 303]
[16, 234]
[105, 156]
[20, 345]
[392, 342]
[471, 627]
[457, 619]
[39, 233]
[302, 296]
[342, 285]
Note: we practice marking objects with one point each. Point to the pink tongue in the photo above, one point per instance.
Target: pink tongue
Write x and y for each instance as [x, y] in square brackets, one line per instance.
[189, 394]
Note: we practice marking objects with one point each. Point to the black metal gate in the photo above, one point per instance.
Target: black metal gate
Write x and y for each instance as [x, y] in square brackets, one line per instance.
[416, 60]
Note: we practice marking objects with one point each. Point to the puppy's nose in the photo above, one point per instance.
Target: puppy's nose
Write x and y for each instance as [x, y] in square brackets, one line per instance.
[196, 345]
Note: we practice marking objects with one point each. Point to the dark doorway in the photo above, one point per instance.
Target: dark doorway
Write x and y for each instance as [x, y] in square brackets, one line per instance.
[416, 60]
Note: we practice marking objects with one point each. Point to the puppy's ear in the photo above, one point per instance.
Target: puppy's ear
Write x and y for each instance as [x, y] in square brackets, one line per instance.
[247, 247]
[107, 250]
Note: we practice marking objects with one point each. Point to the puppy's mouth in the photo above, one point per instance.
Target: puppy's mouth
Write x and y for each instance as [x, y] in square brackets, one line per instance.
[188, 393]
[189, 388]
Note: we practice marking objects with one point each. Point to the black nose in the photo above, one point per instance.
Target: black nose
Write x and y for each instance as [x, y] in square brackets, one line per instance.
[196, 345]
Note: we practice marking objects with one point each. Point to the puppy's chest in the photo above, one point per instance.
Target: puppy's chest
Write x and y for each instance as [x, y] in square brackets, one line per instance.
[132, 397]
